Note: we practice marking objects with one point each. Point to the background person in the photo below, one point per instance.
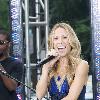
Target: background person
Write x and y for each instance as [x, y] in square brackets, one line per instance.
[12, 66]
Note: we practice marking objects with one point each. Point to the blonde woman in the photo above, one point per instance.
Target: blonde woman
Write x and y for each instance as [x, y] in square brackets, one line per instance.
[65, 76]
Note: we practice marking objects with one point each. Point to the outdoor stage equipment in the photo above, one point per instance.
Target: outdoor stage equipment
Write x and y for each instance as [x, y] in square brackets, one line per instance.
[17, 37]
[95, 27]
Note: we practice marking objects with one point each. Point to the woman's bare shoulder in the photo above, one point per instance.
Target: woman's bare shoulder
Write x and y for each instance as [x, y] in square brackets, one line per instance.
[83, 66]
[84, 62]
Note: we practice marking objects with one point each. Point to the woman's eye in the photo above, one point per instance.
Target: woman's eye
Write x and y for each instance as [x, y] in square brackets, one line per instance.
[55, 38]
[65, 37]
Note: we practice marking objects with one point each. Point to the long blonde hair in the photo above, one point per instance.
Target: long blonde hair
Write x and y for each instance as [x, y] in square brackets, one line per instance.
[74, 56]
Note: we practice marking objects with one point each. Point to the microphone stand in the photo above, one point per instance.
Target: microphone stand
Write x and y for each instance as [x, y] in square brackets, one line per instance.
[9, 76]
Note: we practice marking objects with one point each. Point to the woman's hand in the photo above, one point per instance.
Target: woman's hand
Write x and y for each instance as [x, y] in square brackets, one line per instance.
[52, 52]
[50, 64]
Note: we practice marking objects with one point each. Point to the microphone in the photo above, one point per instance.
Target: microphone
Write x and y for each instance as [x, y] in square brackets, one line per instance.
[44, 61]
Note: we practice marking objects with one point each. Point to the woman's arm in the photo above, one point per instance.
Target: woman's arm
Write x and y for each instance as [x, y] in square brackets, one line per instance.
[41, 87]
[80, 80]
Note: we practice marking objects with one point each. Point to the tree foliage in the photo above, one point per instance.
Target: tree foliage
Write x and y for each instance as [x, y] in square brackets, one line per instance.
[4, 14]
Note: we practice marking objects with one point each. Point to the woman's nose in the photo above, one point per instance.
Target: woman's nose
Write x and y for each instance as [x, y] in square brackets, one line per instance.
[60, 40]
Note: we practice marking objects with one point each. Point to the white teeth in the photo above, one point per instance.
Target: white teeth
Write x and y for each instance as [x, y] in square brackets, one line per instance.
[61, 47]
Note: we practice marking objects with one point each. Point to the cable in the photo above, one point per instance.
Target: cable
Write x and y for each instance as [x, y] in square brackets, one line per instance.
[9, 76]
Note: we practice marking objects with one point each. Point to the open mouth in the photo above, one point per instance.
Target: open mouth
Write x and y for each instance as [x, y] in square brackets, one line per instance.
[61, 48]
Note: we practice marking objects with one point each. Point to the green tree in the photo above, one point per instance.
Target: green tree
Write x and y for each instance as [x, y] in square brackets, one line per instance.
[4, 14]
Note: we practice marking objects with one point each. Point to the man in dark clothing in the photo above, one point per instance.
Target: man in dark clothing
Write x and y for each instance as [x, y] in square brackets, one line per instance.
[10, 65]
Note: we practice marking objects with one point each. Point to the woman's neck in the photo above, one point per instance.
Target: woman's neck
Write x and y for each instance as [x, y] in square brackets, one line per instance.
[63, 63]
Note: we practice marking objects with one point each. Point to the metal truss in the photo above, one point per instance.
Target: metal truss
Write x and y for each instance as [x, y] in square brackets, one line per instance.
[38, 21]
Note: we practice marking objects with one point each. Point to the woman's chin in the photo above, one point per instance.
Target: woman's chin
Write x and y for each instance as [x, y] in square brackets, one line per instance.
[62, 55]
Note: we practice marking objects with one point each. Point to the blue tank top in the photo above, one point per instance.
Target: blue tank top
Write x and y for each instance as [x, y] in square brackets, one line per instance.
[58, 94]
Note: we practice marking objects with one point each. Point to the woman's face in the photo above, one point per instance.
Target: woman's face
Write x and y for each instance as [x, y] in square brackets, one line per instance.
[60, 41]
